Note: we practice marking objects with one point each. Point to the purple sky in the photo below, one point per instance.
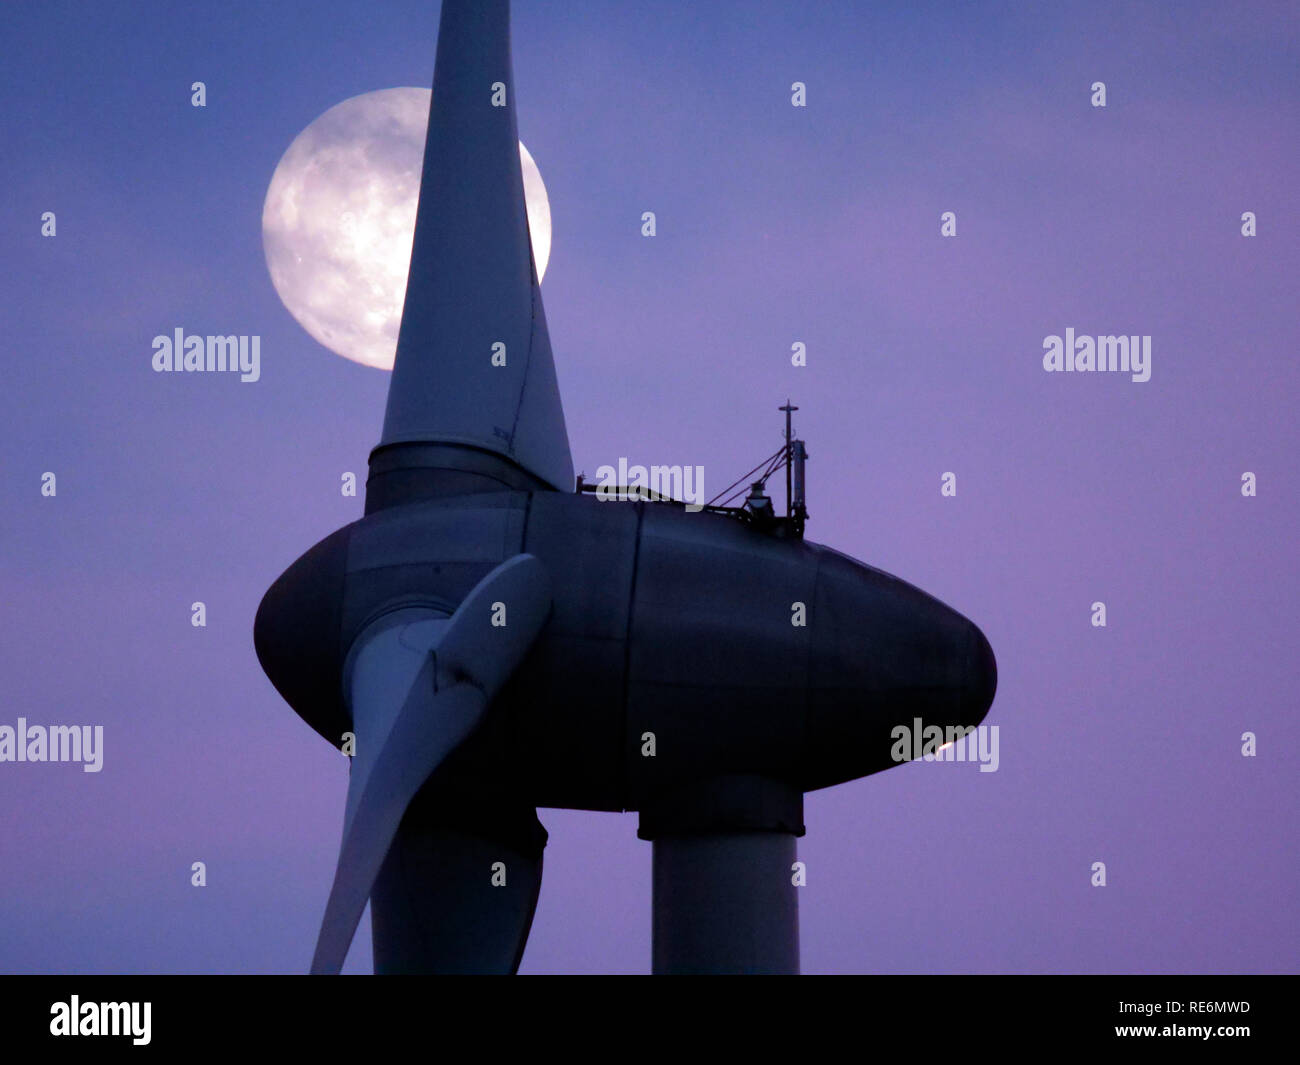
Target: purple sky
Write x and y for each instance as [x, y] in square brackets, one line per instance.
[776, 224]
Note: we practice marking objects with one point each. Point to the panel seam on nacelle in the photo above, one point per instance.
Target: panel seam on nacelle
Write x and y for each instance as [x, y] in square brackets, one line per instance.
[627, 649]
[809, 644]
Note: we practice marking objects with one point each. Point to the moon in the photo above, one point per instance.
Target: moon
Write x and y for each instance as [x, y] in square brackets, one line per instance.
[339, 219]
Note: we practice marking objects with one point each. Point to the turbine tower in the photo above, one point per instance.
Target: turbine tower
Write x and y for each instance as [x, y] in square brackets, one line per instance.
[487, 640]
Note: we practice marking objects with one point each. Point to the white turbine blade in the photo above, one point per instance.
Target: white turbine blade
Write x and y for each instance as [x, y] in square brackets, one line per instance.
[420, 685]
[426, 731]
[472, 282]
[485, 644]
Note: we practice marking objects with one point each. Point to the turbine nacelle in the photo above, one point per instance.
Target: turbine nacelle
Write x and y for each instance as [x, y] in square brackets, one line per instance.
[738, 653]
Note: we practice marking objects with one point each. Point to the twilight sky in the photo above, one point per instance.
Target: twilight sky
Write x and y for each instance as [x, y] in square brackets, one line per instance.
[775, 224]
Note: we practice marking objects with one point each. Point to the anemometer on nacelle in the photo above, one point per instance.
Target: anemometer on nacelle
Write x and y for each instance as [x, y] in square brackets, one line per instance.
[757, 509]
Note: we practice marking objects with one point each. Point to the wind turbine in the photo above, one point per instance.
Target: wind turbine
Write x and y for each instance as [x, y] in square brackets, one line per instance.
[492, 641]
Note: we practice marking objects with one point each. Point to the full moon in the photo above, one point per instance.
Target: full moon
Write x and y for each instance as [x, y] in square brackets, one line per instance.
[339, 219]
